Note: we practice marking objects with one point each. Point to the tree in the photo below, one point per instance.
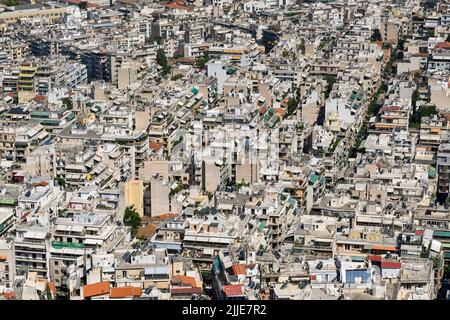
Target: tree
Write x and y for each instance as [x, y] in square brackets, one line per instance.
[10, 3]
[427, 111]
[448, 38]
[68, 103]
[292, 105]
[158, 40]
[132, 219]
[202, 61]
[83, 5]
[48, 293]
[330, 82]
[376, 35]
[161, 59]
[60, 181]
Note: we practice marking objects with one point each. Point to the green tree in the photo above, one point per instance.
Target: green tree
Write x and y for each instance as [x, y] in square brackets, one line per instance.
[292, 105]
[132, 219]
[427, 111]
[68, 103]
[331, 80]
[83, 5]
[448, 38]
[202, 61]
[158, 40]
[60, 181]
[10, 3]
[376, 35]
[161, 59]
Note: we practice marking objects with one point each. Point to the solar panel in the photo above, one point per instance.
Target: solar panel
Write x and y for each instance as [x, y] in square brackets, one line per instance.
[127, 257]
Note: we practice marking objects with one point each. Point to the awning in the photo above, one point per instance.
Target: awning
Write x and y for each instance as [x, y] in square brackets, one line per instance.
[189, 238]
[93, 241]
[156, 270]
[358, 259]
[223, 240]
[368, 219]
[441, 234]
[42, 135]
[383, 247]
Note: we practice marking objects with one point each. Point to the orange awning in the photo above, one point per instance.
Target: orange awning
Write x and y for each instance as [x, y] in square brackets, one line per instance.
[383, 247]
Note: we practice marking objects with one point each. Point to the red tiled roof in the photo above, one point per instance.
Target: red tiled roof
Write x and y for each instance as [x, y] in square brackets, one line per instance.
[374, 258]
[39, 98]
[238, 269]
[193, 290]
[9, 295]
[154, 145]
[280, 111]
[390, 265]
[233, 290]
[146, 232]
[96, 289]
[383, 247]
[124, 292]
[184, 280]
[166, 216]
[177, 5]
[40, 184]
[389, 108]
[443, 45]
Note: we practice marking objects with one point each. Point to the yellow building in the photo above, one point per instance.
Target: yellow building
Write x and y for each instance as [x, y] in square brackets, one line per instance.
[52, 14]
[134, 195]
[26, 77]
